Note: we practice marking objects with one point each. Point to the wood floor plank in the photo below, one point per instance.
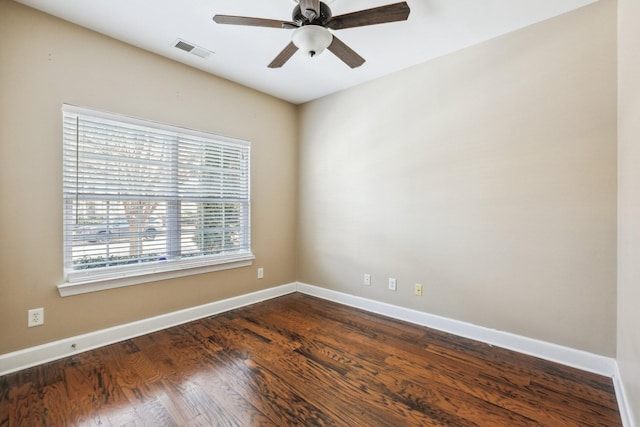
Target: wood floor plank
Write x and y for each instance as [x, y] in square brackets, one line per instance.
[591, 412]
[299, 360]
[301, 372]
[373, 375]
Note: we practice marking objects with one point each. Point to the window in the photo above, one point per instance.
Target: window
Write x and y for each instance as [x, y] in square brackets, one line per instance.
[143, 198]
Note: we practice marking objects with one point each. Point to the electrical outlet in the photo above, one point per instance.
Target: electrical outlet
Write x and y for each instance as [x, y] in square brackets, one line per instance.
[367, 279]
[418, 289]
[392, 284]
[260, 273]
[36, 317]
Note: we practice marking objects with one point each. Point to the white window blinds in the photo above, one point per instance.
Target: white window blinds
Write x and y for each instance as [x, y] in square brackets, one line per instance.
[142, 197]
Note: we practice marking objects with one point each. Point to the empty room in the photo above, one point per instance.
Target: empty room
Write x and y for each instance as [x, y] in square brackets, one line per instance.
[303, 212]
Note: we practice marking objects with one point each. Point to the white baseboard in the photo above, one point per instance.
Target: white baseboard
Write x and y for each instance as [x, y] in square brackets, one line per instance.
[623, 401]
[556, 353]
[44, 353]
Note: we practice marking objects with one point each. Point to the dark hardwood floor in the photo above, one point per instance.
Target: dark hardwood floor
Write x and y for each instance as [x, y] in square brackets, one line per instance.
[299, 360]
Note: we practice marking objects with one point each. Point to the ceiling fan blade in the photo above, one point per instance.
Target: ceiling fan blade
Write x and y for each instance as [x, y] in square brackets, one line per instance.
[377, 15]
[253, 22]
[345, 53]
[284, 56]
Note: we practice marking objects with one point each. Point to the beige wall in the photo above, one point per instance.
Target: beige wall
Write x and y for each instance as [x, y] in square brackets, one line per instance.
[488, 175]
[629, 200]
[45, 62]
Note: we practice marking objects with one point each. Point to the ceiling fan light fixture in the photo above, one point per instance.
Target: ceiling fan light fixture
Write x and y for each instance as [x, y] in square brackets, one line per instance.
[312, 39]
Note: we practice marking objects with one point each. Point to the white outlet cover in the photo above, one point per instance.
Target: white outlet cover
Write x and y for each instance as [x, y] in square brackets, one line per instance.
[36, 317]
[392, 284]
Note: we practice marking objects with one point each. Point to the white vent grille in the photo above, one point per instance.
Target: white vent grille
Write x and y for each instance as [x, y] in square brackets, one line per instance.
[192, 48]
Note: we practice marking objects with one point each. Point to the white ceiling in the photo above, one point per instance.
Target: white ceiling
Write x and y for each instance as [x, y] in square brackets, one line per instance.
[241, 54]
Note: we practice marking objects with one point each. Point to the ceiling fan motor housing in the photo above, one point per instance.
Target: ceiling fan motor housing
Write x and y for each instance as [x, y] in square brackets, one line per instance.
[299, 18]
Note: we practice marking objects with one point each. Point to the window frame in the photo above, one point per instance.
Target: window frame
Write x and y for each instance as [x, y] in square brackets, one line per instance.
[78, 281]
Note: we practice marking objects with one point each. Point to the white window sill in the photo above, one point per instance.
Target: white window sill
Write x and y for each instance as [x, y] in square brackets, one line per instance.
[79, 286]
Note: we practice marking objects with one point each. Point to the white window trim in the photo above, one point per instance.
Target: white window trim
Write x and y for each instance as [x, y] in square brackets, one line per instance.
[86, 281]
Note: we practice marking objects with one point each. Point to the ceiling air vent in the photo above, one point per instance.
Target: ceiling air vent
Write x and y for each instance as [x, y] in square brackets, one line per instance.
[191, 48]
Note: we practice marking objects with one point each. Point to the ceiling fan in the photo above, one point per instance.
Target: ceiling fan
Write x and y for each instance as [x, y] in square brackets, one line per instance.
[311, 22]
